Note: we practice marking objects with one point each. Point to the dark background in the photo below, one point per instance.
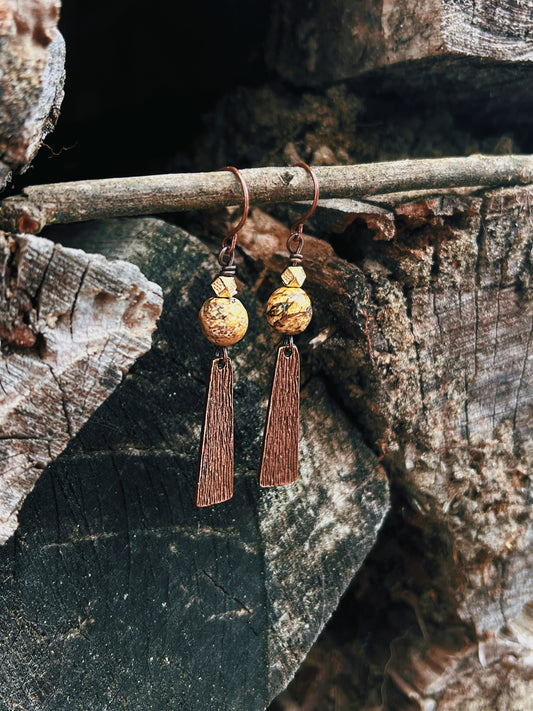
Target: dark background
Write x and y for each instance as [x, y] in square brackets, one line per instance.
[140, 76]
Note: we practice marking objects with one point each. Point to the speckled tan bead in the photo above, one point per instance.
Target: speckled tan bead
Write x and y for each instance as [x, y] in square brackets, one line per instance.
[289, 310]
[223, 321]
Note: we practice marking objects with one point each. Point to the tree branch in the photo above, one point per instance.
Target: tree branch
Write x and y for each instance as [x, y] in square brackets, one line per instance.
[41, 205]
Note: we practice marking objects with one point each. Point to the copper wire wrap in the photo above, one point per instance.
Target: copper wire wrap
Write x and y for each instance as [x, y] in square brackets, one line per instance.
[295, 242]
[227, 256]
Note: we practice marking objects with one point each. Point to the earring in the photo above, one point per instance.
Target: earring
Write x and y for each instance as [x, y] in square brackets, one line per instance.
[224, 321]
[288, 312]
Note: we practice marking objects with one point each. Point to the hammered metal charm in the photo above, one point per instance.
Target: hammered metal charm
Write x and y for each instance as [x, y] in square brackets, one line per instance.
[293, 276]
[279, 461]
[215, 466]
[224, 286]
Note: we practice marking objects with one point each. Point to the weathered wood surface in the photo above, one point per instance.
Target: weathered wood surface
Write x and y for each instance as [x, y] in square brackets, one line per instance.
[41, 205]
[320, 43]
[430, 348]
[71, 325]
[32, 59]
[117, 591]
[422, 329]
[392, 657]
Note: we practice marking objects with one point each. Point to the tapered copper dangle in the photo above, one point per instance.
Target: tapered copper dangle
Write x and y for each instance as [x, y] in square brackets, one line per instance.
[224, 321]
[289, 312]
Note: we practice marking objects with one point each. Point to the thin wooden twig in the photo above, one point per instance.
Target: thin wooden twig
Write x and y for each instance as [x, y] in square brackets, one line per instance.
[41, 205]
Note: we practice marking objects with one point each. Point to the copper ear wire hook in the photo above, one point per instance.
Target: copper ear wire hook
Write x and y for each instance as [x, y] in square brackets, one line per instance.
[226, 256]
[295, 242]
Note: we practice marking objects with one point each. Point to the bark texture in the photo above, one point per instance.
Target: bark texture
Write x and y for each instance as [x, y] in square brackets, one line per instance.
[32, 58]
[319, 43]
[71, 325]
[430, 348]
[118, 592]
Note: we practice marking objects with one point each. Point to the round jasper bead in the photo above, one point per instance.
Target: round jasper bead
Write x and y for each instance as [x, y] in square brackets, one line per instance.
[223, 321]
[289, 310]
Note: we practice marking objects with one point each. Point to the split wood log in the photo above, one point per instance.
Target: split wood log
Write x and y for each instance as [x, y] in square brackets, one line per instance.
[323, 43]
[32, 72]
[71, 325]
[115, 575]
[41, 205]
[437, 324]
[428, 342]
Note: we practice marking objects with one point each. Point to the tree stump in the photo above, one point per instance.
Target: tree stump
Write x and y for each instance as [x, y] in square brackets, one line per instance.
[114, 574]
[422, 330]
[436, 367]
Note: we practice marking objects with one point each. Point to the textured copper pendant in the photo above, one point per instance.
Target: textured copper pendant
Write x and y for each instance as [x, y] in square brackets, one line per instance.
[215, 466]
[279, 461]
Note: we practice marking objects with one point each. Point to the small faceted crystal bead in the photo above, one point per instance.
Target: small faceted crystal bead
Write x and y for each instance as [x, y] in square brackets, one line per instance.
[223, 320]
[289, 310]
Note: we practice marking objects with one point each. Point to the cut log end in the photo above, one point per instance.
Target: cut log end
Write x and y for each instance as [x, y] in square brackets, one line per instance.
[71, 325]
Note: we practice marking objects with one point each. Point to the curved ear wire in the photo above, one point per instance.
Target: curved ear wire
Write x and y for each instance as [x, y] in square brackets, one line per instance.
[226, 256]
[295, 242]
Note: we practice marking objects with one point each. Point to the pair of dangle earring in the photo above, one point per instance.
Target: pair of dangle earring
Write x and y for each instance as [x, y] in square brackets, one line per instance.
[224, 322]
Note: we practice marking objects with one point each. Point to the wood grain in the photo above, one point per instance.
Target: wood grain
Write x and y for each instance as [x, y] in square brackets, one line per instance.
[338, 41]
[71, 326]
[215, 465]
[426, 336]
[279, 459]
